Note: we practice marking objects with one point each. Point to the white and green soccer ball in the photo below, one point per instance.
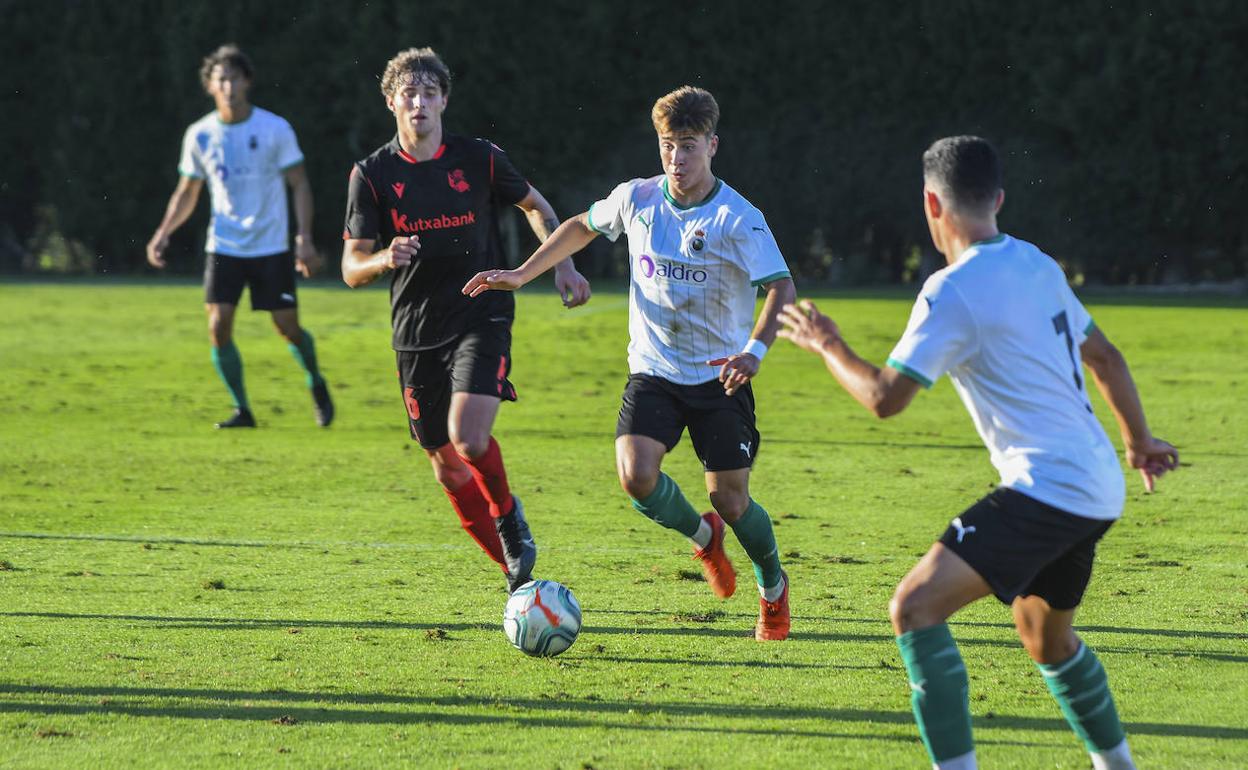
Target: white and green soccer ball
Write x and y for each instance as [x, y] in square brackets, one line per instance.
[542, 618]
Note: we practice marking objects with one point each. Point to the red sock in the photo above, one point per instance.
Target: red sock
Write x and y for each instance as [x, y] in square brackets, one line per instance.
[474, 514]
[492, 479]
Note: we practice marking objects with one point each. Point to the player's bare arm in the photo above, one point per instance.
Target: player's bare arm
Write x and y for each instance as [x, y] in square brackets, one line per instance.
[884, 392]
[567, 239]
[1150, 455]
[181, 204]
[307, 261]
[739, 368]
[361, 265]
[572, 286]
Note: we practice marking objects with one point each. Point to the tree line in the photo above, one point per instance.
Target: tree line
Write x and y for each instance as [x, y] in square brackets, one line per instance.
[1122, 126]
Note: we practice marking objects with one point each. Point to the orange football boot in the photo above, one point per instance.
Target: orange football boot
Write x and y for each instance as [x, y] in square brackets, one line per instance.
[716, 568]
[773, 617]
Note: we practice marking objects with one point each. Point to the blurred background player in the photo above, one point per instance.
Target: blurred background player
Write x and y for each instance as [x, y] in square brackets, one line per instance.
[434, 200]
[698, 251]
[1001, 320]
[245, 153]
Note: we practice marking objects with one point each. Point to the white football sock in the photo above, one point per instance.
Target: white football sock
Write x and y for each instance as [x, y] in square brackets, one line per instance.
[773, 593]
[963, 762]
[1117, 758]
[702, 538]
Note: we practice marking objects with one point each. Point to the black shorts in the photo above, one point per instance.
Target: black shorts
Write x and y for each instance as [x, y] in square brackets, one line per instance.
[271, 278]
[1023, 547]
[720, 426]
[477, 362]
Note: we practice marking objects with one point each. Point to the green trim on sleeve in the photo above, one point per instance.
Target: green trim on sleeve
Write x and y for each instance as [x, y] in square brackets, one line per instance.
[912, 374]
[772, 277]
[589, 218]
[1088, 329]
[189, 176]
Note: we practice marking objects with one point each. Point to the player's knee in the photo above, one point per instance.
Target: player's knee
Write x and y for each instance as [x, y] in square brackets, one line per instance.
[219, 334]
[637, 483]
[730, 505]
[1049, 645]
[906, 610]
[449, 471]
[470, 447]
[292, 333]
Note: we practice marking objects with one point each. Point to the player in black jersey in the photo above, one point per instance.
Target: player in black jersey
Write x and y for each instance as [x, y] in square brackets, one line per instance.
[433, 200]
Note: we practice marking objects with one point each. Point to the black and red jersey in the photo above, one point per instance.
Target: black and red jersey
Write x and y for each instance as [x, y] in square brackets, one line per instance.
[452, 202]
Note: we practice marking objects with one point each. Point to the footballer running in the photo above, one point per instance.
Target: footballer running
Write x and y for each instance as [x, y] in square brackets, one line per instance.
[1005, 326]
[424, 209]
[698, 251]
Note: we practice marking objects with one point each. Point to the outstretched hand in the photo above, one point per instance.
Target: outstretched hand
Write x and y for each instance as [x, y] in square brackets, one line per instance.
[1154, 458]
[807, 328]
[497, 280]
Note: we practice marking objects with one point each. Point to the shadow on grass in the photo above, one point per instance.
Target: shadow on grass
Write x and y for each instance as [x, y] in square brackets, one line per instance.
[547, 712]
[590, 434]
[1177, 633]
[251, 624]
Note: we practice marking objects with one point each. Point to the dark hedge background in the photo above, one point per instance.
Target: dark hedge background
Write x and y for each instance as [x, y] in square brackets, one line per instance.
[1122, 124]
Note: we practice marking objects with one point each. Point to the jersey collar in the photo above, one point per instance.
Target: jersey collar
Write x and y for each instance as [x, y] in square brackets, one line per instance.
[398, 150]
[978, 246]
[668, 196]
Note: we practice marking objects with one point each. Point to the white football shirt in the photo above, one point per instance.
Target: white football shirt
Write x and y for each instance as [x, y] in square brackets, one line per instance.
[243, 164]
[1006, 327]
[695, 273]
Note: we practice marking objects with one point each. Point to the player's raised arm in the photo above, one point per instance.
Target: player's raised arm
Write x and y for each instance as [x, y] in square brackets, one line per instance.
[569, 238]
[572, 286]
[1151, 456]
[884, 392]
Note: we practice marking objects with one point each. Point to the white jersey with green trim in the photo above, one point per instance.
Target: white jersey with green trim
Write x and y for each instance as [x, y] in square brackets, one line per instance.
[244, 164]
[1006, 327]
[695, 274]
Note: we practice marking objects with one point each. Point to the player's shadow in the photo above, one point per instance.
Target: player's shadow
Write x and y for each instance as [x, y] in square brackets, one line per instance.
[721, 663]
[591, 434]
[708, 630]
[1178, 633]
[338, 707]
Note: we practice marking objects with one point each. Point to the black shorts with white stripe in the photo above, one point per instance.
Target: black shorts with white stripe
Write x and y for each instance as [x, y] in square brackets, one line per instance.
[1023, 547]
[721, 426]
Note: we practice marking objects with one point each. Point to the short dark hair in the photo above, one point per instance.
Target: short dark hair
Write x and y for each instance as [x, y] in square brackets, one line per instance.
[967, 169]
[227, 54]
[419, 63]
[688, 108]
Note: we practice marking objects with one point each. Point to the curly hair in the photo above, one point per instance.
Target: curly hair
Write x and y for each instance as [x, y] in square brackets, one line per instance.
[227, 55]
[418, 64]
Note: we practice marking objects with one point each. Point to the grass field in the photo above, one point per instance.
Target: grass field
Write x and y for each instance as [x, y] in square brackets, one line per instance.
[175, 596]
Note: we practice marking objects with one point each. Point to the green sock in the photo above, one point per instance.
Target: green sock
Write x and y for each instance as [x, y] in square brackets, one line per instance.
[1082, 691]
[754, 531]
[229, 365]
[305, 354]
[938, 691]
[667, 506]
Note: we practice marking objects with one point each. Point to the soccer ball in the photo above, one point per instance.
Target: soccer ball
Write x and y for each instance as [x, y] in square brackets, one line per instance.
[542, 618]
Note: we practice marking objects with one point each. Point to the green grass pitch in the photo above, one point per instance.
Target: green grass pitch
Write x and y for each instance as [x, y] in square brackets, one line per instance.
[175, 596]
